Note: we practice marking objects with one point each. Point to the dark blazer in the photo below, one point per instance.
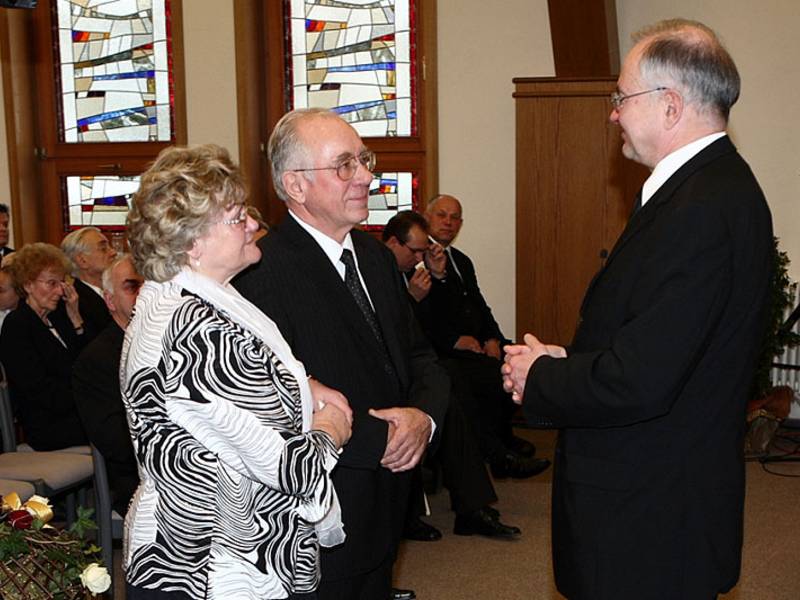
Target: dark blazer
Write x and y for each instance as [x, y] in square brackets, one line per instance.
[5, 251]
[297, 287]
[459, 308]
[648, 487]
[95, 383]
[93, 309]
[39, 372]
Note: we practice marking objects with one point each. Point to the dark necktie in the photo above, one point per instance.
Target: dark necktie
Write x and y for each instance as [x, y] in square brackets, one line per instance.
[637, 205]
[353, 284]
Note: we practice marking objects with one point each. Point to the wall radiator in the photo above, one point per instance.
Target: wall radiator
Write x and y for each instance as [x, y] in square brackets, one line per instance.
[786, 368]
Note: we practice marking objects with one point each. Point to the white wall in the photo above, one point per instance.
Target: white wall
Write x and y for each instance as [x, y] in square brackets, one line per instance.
[482, 47]
[763, 39]
[210, 56]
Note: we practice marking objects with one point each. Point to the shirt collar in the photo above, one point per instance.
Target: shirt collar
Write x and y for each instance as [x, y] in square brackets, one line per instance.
[667, 166]
[331, 248]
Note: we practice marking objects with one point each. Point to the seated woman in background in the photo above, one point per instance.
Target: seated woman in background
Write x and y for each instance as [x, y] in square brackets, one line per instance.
[38, 344]
[8, 294]
[235, 444]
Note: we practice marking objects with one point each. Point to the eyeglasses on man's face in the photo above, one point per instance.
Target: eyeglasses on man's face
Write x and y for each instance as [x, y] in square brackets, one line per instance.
[618, 98]
[347, 168]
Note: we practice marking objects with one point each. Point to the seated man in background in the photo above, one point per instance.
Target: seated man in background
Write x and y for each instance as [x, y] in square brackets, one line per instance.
[464, 474]
[9, 299]
[90, 253]
[465, 334]
[95, 383]
[4, 231]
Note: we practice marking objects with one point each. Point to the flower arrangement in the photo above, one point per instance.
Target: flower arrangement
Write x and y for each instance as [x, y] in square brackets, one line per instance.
[39, 562]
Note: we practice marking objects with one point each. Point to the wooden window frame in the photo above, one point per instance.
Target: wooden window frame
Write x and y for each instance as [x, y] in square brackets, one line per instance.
[260, 40]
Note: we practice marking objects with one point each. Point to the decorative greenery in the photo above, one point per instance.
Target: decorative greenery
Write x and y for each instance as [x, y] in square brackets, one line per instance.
[38, 562]
[776, 340]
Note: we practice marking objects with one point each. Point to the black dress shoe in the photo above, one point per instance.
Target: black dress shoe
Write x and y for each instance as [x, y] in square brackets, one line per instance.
[398, 594]
[518, 467]
[418, 530]
[483, 522]
[520, 446]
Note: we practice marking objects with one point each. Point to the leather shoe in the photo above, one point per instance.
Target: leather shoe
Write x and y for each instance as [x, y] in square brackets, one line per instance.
[518, 467]
[398, 594]
[482, 522]
[520, 446]
[418, 530]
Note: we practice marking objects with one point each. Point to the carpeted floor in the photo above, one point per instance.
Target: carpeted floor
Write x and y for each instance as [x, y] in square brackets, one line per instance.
[476, 568]
[466, 568]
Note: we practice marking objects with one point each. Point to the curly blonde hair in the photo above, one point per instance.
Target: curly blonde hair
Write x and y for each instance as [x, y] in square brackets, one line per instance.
[30, 260]
[180, 195]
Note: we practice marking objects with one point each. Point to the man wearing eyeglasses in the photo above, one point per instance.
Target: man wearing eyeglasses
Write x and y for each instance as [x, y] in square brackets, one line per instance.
[339, 301]
[650, 398]
[91, 254]
[95, 383]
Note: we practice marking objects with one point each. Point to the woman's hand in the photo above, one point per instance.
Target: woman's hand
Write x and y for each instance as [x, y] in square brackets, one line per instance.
[71, 303]
[323, 395]
[334, 422]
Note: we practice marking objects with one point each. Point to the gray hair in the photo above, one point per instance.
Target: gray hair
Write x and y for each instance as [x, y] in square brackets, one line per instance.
[178, 198]
[689, 56]
[108, 273]
[73, 244]
[285, 146]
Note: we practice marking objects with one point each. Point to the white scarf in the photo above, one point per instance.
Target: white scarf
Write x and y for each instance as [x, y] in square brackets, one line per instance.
[226, 298]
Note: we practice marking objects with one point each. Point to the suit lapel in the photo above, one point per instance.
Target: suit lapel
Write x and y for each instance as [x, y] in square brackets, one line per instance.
[641, 218]
[314, 264]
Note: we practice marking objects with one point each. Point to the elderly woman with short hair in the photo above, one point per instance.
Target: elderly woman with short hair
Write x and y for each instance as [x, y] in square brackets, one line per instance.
[39, 342]
[235, 443]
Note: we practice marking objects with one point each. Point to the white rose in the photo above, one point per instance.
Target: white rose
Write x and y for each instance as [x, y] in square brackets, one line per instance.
[96, 578]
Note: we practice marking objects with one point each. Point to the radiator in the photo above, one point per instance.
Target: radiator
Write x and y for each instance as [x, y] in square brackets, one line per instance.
[782, 372]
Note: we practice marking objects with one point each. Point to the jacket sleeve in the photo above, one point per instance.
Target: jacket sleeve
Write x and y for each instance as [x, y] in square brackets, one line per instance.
[226, 395]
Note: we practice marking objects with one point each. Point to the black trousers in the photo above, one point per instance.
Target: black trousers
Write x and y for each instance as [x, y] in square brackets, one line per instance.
[374, 585]
[478, 388]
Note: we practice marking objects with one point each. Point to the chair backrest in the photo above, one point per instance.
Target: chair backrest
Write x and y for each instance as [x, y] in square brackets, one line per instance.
[103, 511]
[6, 415]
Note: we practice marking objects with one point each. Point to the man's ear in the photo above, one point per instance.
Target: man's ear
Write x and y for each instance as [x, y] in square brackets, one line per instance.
[393, 242]
[80, 260]
[294, 184]
[673, 108]
[112, 308]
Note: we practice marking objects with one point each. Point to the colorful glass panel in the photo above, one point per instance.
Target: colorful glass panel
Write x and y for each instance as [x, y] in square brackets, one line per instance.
[390, 193]
[100, 200]
[356, 57]
[115, 81]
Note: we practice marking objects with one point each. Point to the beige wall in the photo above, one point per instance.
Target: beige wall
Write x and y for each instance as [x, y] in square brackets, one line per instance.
[208, 42]
[5, 185]
[763, 39]
[481, 50]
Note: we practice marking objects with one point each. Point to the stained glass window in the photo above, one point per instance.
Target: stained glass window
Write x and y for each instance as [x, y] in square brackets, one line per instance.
[390, 193]
[115, 78]
[356, 57]
[102, 200]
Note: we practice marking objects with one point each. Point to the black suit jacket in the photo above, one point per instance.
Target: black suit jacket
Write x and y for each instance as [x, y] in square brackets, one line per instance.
[648, 486]
[5, 251]
[297, 287]
[93, 309]
[457, 307]
[95, 383]
[39, 370]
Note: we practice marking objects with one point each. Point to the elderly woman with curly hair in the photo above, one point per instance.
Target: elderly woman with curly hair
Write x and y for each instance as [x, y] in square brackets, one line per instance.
[39, 342]
[235, 443]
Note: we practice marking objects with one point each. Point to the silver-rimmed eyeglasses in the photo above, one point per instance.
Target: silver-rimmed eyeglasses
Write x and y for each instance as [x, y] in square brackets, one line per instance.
[346, 169]
[618, 98]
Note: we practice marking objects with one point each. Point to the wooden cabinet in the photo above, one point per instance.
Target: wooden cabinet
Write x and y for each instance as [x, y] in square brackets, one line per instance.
[575, 192]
